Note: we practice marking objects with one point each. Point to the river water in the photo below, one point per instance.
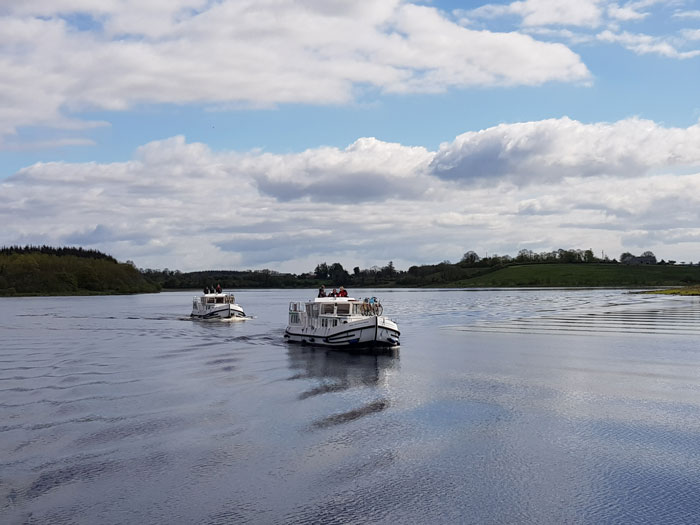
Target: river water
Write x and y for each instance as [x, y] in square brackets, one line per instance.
[501, 406]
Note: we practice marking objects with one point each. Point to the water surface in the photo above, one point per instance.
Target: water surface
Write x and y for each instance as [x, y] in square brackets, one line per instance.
[501, 406]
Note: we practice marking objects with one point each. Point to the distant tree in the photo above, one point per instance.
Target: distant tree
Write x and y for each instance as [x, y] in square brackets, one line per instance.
[337, 274]
[650, 256]
[321, 271]
[389, 270]
[470, 257]
[525, 256]
[626, 257]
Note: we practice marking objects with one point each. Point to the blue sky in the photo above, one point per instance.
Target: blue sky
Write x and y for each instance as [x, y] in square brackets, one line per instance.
[193, 134]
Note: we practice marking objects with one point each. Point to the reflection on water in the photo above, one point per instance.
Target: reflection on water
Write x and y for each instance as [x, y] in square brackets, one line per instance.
[344, 369]
[334, 371]
[504, 406]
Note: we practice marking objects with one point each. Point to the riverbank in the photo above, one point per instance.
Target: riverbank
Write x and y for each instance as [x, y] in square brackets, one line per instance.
[689, 290]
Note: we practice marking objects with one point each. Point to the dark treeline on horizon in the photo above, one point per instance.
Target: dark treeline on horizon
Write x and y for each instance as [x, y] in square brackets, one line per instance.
[44, 270]
[50, 250]
[69, 270]
[334, 274]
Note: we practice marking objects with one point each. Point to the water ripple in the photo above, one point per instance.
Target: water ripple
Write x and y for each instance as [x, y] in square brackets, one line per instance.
[614, 319]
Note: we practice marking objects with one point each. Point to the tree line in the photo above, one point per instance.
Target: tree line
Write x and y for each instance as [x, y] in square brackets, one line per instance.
[335, 274]
[70, 270]
[67, 271]
[62, 251]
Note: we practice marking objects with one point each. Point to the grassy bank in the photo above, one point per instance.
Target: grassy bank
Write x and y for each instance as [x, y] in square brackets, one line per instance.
[585, 275]
[688, 290]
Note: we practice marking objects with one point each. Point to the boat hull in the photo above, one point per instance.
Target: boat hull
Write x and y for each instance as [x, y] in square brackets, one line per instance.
[371, 331]
[219, 311]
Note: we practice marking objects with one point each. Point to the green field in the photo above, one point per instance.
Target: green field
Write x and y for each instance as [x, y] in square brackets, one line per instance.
[583, 275]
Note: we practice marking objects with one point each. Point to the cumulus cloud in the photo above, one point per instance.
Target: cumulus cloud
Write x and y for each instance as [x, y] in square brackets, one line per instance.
[538, 185]
[60, 58]
[552, 149]
[367, 170]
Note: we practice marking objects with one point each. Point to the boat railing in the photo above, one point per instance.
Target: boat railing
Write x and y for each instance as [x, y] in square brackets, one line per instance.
[210, 299]
[295, 306]
[297, 313]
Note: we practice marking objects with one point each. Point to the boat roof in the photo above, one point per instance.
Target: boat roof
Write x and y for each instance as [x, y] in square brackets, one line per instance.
[334, 299]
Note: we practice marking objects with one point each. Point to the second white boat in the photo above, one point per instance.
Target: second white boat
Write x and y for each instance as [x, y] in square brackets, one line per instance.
[216, 306]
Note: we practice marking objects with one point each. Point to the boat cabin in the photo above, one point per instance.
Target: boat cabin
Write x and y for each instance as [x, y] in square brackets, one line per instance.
[332, 311]
[210, 299]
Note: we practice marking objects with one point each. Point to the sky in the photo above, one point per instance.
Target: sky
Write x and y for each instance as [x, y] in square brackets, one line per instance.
[280, 134]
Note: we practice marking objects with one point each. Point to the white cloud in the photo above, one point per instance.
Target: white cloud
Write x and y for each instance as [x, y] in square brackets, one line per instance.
[687, 14]
[553, 19]
[59, 58]
[691, 34]
[552, 149]
[551, 184]
[367, 170]
[586, 13]
[646, 44]
[625, 13]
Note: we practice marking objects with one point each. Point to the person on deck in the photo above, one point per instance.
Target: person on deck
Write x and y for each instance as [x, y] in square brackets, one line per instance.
[334, 293]
[218, 288]
[322, 291]
[343, 292]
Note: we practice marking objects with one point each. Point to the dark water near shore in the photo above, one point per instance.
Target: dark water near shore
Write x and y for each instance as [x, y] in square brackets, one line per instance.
[505, 406]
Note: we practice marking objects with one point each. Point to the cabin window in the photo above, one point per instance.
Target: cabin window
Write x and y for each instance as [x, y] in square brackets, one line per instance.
[327, 309]
[335, 322]
[294, 318]
[344, 309]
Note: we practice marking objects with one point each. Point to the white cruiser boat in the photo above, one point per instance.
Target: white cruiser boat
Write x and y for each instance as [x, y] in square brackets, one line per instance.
[342, 322]
[216, 306]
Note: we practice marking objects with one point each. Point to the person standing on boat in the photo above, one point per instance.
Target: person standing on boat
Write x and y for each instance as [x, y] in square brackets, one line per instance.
[343, 292]
[322, 291]
[218, 288]
[334, 293]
